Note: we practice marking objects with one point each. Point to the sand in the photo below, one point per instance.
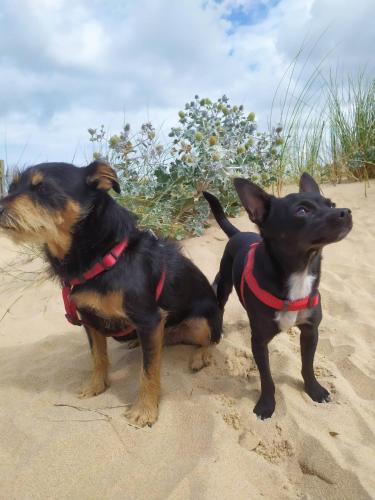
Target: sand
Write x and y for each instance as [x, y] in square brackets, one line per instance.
[207, 443]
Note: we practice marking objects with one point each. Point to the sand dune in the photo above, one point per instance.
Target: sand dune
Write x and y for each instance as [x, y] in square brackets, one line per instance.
[207, 442]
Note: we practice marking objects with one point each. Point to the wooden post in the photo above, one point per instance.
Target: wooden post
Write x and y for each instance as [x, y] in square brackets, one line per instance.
[2, 178]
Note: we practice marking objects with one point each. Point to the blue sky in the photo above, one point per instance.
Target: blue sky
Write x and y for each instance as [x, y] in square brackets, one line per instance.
[248, 13]
[69, 66]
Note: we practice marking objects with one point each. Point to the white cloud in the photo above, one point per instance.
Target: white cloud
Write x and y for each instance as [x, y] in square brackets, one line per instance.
[66, 67]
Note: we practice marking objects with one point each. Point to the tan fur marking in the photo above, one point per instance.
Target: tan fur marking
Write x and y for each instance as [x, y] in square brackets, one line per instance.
[195, 331]
[37, 178]
[29, 217]
[35, 224]
[105, 176]
[145, 410]
[99, 378]
[59, 246]
[110, 305]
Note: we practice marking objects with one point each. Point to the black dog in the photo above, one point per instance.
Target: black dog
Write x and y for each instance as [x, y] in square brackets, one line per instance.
[277, 279]
[141, 285]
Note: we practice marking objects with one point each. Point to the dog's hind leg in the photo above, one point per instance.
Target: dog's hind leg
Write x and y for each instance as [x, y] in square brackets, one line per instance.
[199, 331]
[309, 341]
[99, 378]
[145, 410]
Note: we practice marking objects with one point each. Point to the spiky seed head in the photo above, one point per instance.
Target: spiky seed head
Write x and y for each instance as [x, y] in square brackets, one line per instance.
[251, 116]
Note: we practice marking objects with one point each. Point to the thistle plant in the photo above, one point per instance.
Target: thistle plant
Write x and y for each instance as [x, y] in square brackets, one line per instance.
[213, 142]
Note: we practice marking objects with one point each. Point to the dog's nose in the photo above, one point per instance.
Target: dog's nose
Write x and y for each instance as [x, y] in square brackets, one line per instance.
[345, 212]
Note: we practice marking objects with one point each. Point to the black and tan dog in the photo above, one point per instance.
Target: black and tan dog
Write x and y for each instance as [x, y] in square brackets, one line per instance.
[142, 284]
[277, 274]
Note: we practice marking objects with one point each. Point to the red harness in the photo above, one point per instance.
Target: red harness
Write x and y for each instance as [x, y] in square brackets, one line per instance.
[108, 261]
[267, 298]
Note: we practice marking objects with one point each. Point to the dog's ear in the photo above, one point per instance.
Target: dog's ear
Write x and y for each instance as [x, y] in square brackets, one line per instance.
[101, 175]
[307, 184]
[254, 199]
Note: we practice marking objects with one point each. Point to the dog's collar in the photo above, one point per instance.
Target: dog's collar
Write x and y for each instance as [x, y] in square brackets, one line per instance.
[107, 262]
[267, 298]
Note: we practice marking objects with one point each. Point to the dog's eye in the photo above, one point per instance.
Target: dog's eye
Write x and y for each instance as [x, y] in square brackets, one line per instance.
[38, 188]
[302, 211]
[330, 204]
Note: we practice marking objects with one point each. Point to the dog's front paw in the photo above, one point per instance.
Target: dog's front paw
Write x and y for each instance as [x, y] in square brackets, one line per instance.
[200, 358]
[318, 393]
[142, 414]
[96, 386]
[265, 407]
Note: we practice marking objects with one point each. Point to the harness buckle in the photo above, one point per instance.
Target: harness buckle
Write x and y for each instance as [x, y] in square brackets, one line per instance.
[104, 262]
[285, 305]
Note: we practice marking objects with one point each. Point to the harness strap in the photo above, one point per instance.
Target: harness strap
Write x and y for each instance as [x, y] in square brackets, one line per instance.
[267, 298]
[108, 261]
[160, 285]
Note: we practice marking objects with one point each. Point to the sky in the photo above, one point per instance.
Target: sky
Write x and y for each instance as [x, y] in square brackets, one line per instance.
[68, 66]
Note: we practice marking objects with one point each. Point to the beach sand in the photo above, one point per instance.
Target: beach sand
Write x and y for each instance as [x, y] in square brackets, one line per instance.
[207, 443]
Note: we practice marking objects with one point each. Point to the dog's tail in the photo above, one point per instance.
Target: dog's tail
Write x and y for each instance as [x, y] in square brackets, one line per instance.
[219, 215]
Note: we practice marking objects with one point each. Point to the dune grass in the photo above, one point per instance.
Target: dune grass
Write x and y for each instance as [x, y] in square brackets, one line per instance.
[329, 129]
[351, 115]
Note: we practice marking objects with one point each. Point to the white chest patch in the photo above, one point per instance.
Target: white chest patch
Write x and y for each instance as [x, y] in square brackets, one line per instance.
[300, 286]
